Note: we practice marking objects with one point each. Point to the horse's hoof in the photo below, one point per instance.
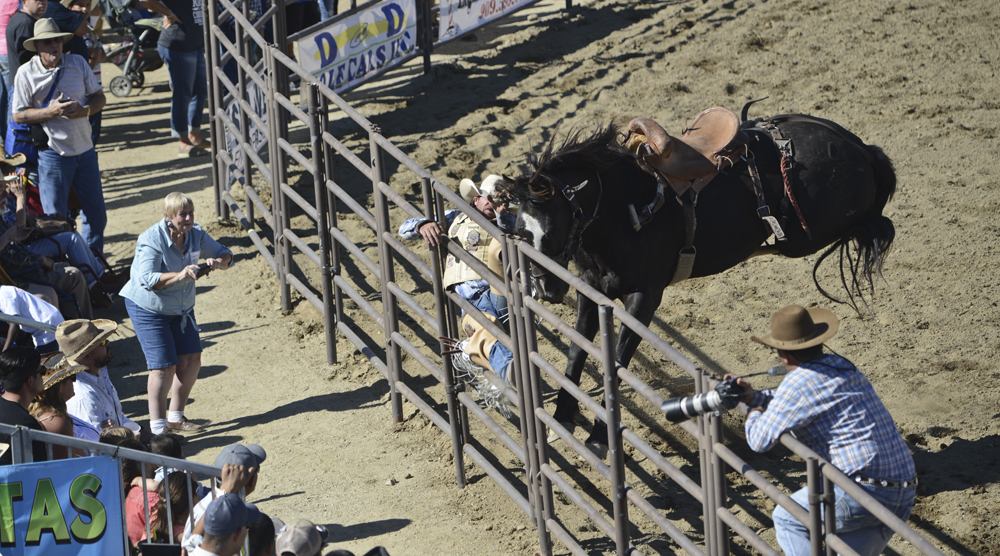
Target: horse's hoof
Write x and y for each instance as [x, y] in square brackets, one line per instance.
[600, 450]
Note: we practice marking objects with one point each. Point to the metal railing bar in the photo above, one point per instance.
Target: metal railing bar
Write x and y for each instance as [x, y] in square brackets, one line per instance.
[262, 167]
[22, 321]
[424, 407]
[402, 157]
[299, 157]
[596, 408]
[227, 84]
[353, 249]
[564, 537]
[300, 201]
[229, 47]
[841, 547]
[362, 302]
[305, 249]
[352, 204]
[400, 202]
[424, 361]
[294, 109]
[657, 459]
[509, 392]
[244, 23]
[254, 236]
[480, 268]
[491, 424]
[577, 446]
[499, 479]
[305, 292]
[480, 318]
[364, 348]
[760, 482]
[251, 194]
[412, 304]
[748, 534]
[670, 529]
[354, 159]
[562, 326]
[563, 485]
[398, 246]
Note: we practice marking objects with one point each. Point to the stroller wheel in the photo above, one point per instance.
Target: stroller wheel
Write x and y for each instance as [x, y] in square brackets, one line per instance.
[137, 78]
[121, 86]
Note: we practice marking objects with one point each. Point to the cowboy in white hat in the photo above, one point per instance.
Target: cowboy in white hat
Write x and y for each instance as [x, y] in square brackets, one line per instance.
[458, 275]
[86, 342]
[59, 92]
[831, 407]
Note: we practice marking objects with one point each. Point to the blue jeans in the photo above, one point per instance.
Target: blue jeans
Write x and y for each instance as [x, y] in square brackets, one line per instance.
[190, 85]
[71, 245]
[856, 526]
[58, 174]
[500, 358]
[161, 337]
[326, 9]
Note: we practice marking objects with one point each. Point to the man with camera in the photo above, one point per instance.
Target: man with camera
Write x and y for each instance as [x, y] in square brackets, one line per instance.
[59, 92]
[830, 406]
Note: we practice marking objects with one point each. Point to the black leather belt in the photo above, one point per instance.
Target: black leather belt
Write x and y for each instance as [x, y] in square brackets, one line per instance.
[883, 483]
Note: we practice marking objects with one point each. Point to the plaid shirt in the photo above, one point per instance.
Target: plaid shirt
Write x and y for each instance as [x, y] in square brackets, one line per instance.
[831, 407]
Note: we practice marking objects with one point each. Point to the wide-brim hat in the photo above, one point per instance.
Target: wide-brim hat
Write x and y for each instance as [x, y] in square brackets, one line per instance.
[45, 28]
[794, 327]
[304, 538]
[78, 336]
[469, 190]
[57, 369]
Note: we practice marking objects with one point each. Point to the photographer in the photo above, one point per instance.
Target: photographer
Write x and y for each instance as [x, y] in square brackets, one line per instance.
[59, 92]
[830, 406]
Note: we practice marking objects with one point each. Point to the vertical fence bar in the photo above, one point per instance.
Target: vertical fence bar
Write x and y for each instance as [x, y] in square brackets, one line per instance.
[815, 524]
[706, 472]
[830, 514]
[452, 313]
[121, 495]
[281, 162]
[244, 139]
[441, 304]
[322, 229]
[388, 276]
[719, 478]
[612, 404]
[274, 156]
[331, 208]
[210, 13]
[425, 15]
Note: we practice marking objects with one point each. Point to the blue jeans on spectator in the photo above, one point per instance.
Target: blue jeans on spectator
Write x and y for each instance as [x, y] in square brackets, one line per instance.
[73, 246]
[160, 336]
[326, 8]
[58, 174]
[856, 525]
[190, 85]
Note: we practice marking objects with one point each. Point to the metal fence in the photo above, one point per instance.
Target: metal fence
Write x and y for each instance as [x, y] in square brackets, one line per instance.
[351, 277]
[21, 440]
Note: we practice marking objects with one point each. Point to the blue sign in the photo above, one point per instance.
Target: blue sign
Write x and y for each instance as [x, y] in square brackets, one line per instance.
[66, 507]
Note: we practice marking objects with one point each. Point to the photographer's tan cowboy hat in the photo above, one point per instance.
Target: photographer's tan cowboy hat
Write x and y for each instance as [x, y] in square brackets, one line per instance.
[469, 190]
[58, 368]
[793, 327]
[77, 337]
[45, 28]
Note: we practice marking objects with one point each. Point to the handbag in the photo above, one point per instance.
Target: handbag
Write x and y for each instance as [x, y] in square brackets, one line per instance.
[30, 138]
[47, 225]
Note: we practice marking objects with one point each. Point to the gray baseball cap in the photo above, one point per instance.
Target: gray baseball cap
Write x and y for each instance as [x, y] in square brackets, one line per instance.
[228, 514]
[238, 454]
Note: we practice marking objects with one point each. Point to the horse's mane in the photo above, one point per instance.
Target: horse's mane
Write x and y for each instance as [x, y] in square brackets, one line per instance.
[594, 149]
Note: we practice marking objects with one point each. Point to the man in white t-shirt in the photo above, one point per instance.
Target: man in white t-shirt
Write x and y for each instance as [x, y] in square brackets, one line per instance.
[59, 92]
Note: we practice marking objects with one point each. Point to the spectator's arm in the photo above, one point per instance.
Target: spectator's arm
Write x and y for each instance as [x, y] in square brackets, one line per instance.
[21, 212]
[94, 105]
[158, 7]
[216, 255]
[82, 29]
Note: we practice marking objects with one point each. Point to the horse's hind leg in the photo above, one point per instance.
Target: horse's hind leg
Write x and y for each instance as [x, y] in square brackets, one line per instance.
[586, 324]
[642, 306]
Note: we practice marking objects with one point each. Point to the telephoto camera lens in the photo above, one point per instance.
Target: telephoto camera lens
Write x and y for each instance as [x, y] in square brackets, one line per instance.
[682, 409]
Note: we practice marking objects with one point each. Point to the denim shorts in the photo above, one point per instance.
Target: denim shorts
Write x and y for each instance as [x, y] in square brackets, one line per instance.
[160, 336]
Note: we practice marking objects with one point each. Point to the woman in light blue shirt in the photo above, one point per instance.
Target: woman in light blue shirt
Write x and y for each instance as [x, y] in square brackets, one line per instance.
[160, 301]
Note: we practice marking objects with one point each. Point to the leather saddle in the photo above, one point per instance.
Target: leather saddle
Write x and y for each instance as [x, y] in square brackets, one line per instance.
[690, 161]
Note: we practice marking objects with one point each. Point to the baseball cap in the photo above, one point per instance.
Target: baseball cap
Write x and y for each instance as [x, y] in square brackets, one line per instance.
[304, 538]
[228, 514]
[238, 454]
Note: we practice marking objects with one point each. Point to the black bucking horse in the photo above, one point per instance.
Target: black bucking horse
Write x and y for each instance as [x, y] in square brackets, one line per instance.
[577, 205]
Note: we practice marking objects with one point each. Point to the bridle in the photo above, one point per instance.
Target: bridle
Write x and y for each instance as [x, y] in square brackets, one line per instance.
[580, 220]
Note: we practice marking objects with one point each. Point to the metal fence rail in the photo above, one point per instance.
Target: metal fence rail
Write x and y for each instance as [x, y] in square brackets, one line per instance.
[310, 251]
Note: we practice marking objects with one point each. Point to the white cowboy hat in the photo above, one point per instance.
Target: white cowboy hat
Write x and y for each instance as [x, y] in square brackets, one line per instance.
[469, 190]
[45, 28]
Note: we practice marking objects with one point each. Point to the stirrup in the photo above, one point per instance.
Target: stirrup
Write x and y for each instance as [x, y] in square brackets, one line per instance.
[649, 210]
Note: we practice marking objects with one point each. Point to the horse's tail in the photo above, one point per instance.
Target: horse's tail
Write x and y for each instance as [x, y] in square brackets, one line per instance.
[863, 249]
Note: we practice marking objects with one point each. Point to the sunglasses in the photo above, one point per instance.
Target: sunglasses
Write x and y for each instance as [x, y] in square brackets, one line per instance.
[47, 42]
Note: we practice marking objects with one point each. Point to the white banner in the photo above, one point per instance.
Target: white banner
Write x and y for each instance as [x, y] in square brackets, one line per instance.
[460, 16]
[349, 50]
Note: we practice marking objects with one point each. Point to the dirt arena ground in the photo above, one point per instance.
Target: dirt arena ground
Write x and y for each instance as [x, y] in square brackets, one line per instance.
[918, 78]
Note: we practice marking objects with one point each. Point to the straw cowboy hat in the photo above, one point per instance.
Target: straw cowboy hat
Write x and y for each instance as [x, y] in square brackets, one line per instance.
[793, 327]
[469, 190]
[58, 368]
[77, 337]
[45, 28]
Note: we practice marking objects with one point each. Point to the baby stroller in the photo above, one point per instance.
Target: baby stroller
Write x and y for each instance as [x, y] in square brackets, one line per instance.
[136, 53]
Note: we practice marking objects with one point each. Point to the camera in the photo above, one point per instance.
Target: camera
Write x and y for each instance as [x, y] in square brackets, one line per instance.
[727, 395]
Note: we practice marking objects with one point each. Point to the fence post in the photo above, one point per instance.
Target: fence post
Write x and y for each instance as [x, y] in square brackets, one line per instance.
[209, 13]
[815, 524]
[242, 84]
[612, 404]
[425, 32]
[830, 514]
[331, 208]
[452, 313]
[532, 382]
[322, 229]
[707, 479]
[388, 275]
[719, 478]
[441, 304]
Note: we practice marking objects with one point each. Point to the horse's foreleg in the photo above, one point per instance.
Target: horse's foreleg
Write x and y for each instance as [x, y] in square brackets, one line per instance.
[641, 305]
[586, 324]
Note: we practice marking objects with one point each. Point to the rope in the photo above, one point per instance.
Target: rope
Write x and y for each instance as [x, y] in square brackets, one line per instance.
[785, 166]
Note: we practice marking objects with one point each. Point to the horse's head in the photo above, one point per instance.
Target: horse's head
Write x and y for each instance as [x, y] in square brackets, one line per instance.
[551, 220]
